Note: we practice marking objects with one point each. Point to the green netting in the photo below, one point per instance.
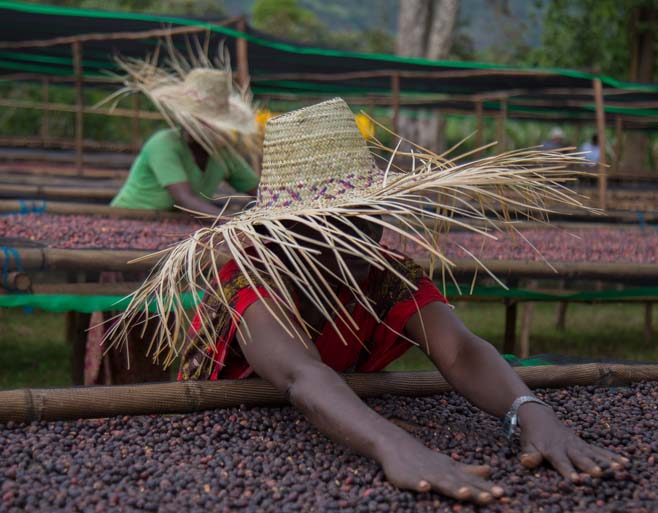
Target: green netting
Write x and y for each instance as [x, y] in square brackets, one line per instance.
[72, 302]
[292, 48]
[87, 304]
[526, 362]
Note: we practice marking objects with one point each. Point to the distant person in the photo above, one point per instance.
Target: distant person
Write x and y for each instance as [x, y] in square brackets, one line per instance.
[556, 140]
[184, 166]
[591, 151]
[180, 166]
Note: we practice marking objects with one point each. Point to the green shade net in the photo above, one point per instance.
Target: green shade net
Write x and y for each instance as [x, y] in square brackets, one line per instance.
[87, 304]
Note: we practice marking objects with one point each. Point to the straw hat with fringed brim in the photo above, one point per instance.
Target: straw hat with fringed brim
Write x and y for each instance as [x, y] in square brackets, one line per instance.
[318, 170]
[201, 99]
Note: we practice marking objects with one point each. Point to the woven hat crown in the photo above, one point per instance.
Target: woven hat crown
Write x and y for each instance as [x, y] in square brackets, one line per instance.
[315, 155]
[202, 90]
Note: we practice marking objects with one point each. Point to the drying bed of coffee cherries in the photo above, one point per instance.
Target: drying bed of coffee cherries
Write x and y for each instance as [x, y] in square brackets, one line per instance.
[79, 231]
[627, 245]
[273, 460]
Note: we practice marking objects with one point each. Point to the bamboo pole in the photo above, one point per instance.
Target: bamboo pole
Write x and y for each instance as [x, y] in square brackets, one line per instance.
[87, 288]
[527, 310]
[600, 130]
[54, 191]
[645, 273]
[43, 169]
[57, 207]
[65, 181]
[112, 36]
[45, 117]
[509, 338]
[29, 405]
[502, 125]
[478, 124]
[33, 142]
[79, 104]
[117, 260]
[136, 139]
[63, 107]
[619, 135]
[242, 54]
[395, 102]
[16, 282]
[54, 259]
[648, 324]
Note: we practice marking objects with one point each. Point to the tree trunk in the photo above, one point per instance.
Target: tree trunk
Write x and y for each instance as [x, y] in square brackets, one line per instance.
[643, 64]
[425, 29]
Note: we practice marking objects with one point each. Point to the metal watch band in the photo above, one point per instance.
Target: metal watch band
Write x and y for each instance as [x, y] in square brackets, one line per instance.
[511, 417]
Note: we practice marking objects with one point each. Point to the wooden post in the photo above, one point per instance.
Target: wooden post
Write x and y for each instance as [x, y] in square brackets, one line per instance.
[478, 123]
[135, 124]
[395, 102]
[242, 54]
[501, 136]
[561, 318]
[45, 118]
[600, 130]
[370, 101]
[619, 135]
[526, 326]
[648, 328]
[509, 341]
[79, 104]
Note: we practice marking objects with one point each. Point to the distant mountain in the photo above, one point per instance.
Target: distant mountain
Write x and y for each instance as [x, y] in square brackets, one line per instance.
[487, 23]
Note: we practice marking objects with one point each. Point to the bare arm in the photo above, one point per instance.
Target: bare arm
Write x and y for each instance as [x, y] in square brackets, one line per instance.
[331, 406]
[475, 369]
[185, 197]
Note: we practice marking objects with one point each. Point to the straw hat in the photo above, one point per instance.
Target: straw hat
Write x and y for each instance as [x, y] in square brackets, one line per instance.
[317, 169]
[195, 93]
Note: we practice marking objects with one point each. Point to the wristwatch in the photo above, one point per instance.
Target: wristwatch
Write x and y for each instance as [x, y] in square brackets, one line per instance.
[511, 419]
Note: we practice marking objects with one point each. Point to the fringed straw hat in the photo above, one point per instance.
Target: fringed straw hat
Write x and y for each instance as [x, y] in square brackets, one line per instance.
[317, 169]
[195, 93]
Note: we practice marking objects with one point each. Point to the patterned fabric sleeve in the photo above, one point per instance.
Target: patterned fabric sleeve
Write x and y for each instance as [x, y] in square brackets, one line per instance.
[198, 361]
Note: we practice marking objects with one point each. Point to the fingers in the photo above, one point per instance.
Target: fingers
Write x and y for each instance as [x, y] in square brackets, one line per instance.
[465, 487]
[583, 462]
[483, 471]
[563, 465]
[606, 458]
[460, 482]
[530, 457]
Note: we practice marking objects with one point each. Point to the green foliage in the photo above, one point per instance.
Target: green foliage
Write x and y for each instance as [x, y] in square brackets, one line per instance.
[285, 18]
[589, 34]
[289, 20]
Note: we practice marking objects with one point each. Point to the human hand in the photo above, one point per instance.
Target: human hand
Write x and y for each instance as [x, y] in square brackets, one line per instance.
[413, 466]
[545, 437]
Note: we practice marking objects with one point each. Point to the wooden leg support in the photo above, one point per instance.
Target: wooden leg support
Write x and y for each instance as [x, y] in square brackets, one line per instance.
[561, 317]
[509, 341]
[526, 326]
[648, 328]
[76, 335]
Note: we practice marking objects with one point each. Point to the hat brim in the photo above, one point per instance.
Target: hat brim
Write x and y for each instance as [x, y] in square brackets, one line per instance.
[178, 107]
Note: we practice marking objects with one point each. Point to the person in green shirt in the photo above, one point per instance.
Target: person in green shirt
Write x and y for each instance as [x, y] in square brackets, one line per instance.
[183, 165]
[173, 169]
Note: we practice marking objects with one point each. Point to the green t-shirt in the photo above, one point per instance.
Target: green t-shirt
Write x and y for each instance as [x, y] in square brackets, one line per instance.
[166, 159]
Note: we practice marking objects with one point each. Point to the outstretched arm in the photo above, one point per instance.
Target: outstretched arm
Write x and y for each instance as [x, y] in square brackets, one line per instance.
[331, 406]
[475, 369]
[184, 197]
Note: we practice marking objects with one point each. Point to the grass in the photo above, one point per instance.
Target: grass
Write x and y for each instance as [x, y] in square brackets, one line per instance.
[34, 353]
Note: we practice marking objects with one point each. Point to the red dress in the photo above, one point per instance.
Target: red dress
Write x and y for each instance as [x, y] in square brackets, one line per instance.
[371, 348]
